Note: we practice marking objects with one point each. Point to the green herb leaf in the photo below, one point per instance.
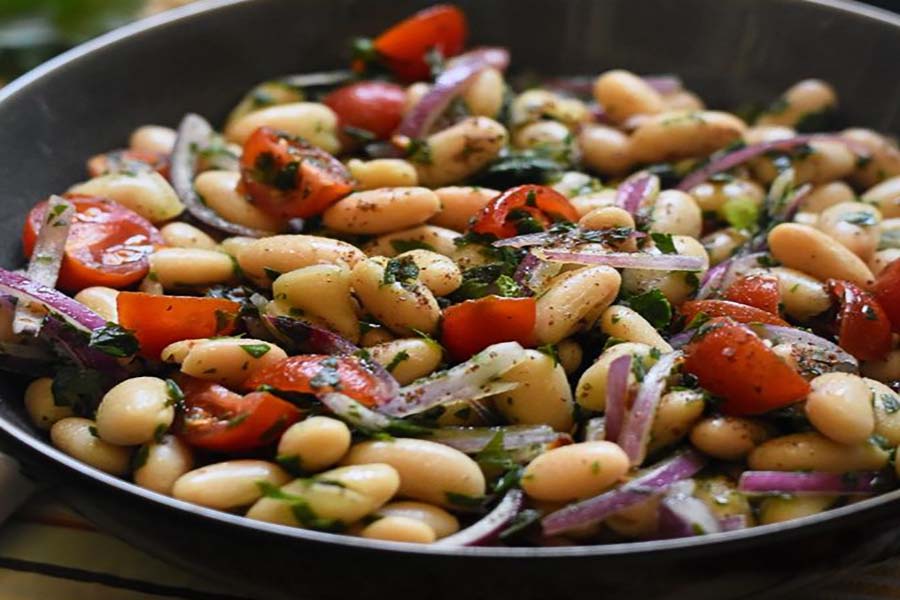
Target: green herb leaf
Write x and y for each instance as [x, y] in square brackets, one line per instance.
[114, 340]
[401, 270]
[653, 306]
[255, 350]
[395, 362]
[862, 218]
[664, 242]
[175, 397]
[78, 388]
[741, 213]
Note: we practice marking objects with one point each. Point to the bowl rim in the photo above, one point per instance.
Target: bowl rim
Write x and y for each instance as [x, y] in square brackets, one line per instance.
[35, 444]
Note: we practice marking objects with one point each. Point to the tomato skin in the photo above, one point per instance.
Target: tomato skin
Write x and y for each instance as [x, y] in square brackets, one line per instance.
[157, 321]
[405, 45]
[887, 292]
[473, 325]
[730, 361]
[374, 106]
[542, 203]
[760, 291]
[726, 308]
[132, 160]
[108, 244]
[219, 420]
[288, 177]
[864, 329]
[345, 374]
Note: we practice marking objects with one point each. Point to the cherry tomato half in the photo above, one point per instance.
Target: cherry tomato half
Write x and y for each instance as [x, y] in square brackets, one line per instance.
[318, 374]
[473, 325]
[524, 209]
[372, 106]
[157, 321]
[887, 292]
[219, 420]
[760, 291]
[405, 45]
[108, 244]
[864, 328]
[725, 308]
[288, 177]
[730, 361]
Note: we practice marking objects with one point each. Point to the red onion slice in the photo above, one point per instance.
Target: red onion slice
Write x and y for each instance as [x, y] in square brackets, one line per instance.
[534, 273]
[636, 191]
[25, 290]
[489, 527]
[624, 260]
[682, 515]
[353, 412]
[576, 235]
[664, 84]
[46, 259]
[472, 440]
[840, 358]
[474, 378]
[76, 345]
[453, 81]
[726, 272]
[194, 133]
[734, 523]
[814, 482]
[617, 396]
[652, 481]
[636, 430]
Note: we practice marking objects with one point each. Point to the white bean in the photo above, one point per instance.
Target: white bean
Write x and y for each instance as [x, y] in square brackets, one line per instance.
[624, 323]
[382, 210]
[811, 451]
[228, 485]
[484, 96]
[809, 250]
[315, 443]
[146, 193]
[439, 520]
[175, 268]
[77, 438]
[316, 123]
[41, 405]
[673, 136]
[161, 463]
[323, 293]
[575, 471]
[283, 253]
[152, 138]
[543, 395]
[101, 300]
[728, 438]
[229, 361]
[459, 151]
[623, 94]
[591, 390]
[886, 197]
[605, 149]
[574, 300]
[402, 306]
[399, 529]
[219, 190]
[135, 411]
[408, 359]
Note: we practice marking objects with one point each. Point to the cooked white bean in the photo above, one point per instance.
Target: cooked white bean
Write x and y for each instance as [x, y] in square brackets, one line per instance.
[429, 471]
[683, 100]
[219, 190]
[854, 225]
[591, 390]
[809, 250]
[574, 300]
[315, 443]
[382, 173]
[373, 336]
[438, 272]
[399, 529]
[101, 300]
[161, 463]
[401, 306]
[882, 259]
[886, 406]
[190, 267]
[638, 521]
[316, 123]
[886, 197]
[624, 323]
[537, 105]
[283, 253]
[409, 358]
[720, 495]
[77, 438]
[825, 196]
[575, 471]
[802, 296]
[728, 438]
[768, 133]
[715, 196]
[542, 396]
[677, 213]
[826, 161]
[41, 406]
[605, 149]
[183, 235]
[885, 370]
[573, 183]
[459, 151]
[230, 484]
[550, 136]
[323, 293]
[676, 286]
[720, 245]
[803, 99]
[608, 217]
[345, 495]
[678, 411]
[676, 135]
[882, 162]
[623, 94]
[146, 193]
[438, 519]
[777, 509]
[459, 204]
[135, 411]
[484, 96]
[232, 245]
[586, 203]
[382, 210]
[152, 138]
[429, 237]
[811, 451]
[229, 361]
[569, 353]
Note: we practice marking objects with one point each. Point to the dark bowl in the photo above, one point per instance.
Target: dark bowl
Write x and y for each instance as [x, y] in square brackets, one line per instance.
[203, 57]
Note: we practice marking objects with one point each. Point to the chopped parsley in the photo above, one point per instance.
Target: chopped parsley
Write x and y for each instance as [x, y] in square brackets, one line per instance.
[174, 395]
[114, 340]
[664, 242]
[863, 218]
[653, 306]
[255, 350]
[80, 389]
[401, 270]
[300, 507]
[889, 403]
[395, 362]
[741, 213]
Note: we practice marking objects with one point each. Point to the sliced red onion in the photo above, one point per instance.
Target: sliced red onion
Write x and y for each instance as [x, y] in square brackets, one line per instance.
[576, 235]
[194, 133]
[46, 259]
[664, 84]
[636, 191]
[75, 344]
[489, 527]
[595, 429]
[836, 356]
[636, 431]
[682, 515]
[623, 260]
[534, 273]
[449, 84]
[726, 272]
[680, 340]
[472, 440]
[617, 396]
[361, 417]
[25, 290]
[468, 380]
[734, 523]
[811, 482]
[652, 481]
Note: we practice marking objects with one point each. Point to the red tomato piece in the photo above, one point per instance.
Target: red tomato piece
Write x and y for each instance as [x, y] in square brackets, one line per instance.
[405, 45]
[760, 291]
[219, 420]
[887, 292]
[128, 160]
[288, 177]
[505, 215]
[157, 321]
[473, 325]
[108, 244]
[730, 361]
[726, 308]
[318, 374]
[864, 329]
[373, 106]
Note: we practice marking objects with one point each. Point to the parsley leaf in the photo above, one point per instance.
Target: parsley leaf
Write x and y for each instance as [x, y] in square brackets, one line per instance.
[664, 242]
[401, 270]
[741, 213]
[653, 306]
[255, 350]
[81, 389]
[395, 362]
[114, 340]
